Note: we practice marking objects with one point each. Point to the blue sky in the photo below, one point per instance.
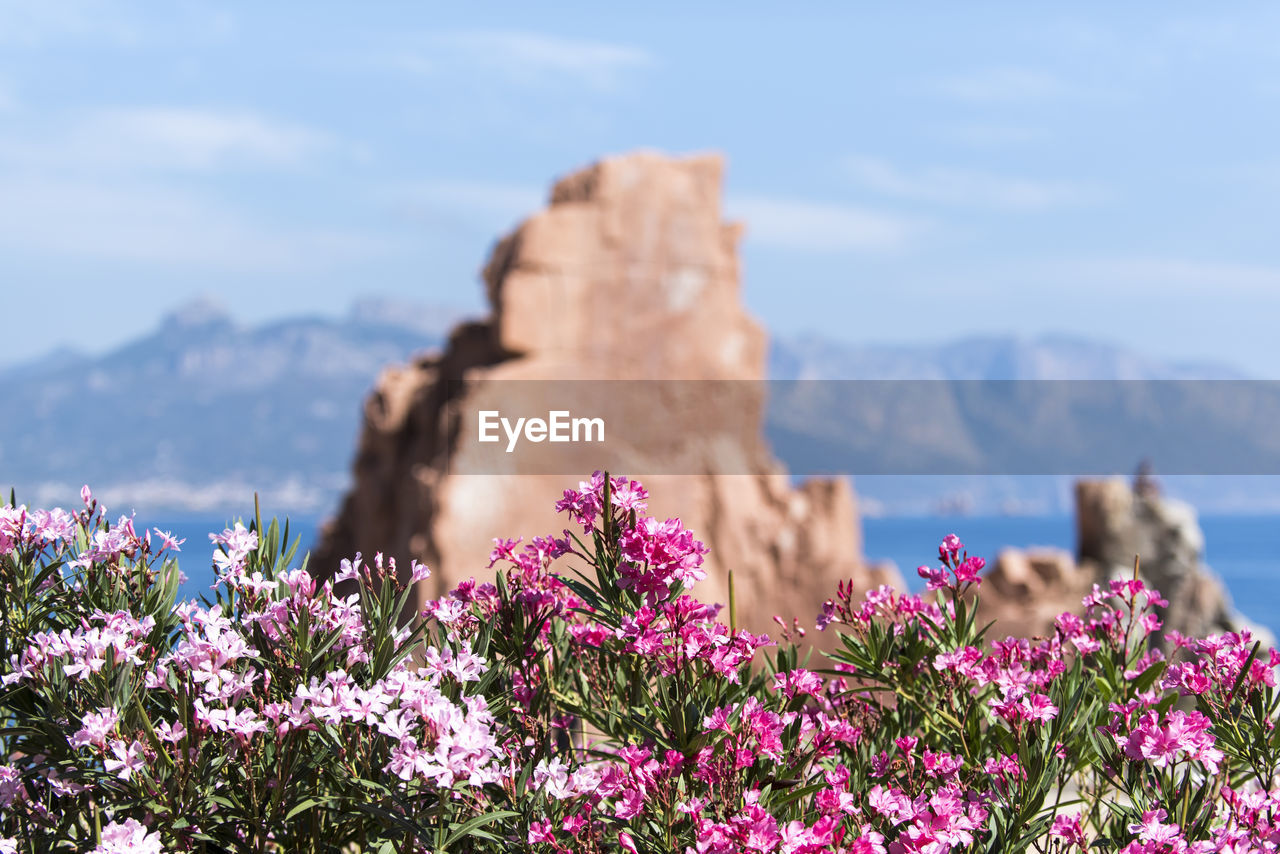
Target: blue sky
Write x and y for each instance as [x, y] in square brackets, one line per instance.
[1108, 170]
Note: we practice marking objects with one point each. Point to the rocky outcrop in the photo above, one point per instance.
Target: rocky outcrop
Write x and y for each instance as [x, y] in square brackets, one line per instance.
[1026, 589]
[1115, 522]
[629, 274]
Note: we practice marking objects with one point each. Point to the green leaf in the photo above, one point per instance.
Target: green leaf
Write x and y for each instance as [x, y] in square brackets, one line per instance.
[1150, 675]
[479, 821]
[304, 806]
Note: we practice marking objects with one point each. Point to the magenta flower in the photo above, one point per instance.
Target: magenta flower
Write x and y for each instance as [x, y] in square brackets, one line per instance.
[541, 831]
[798, 681]
[629, 495]
[1036, 707]
[1068, 827]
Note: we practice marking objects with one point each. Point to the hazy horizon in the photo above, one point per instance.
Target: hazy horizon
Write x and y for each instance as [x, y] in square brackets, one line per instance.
[438, 319]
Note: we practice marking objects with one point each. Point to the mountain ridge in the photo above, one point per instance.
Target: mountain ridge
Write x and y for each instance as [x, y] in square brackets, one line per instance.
[203, 411]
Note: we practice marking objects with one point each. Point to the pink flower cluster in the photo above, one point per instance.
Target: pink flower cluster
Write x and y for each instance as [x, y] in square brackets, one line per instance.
[679, 633]
[1144, 735]
[959, 569]
[882, 604]
[698, 737]
[1126, 623]
[755, 829]
[128, 837]
[660, 555]
[217, 664]
[1220, 663]
[933, 822]
[116, 639]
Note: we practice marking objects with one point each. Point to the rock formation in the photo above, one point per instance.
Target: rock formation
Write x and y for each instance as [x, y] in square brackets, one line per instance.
[628, 274]
[1024, 591]
[1114, 523]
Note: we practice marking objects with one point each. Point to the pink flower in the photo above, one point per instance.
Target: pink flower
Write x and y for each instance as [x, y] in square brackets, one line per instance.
[936, 576]
[172, 733]
[56, 525]
[503, 549]
[893, 804]
[12, 788]
[584, 504]
[630, 805]
[658, 555]
[833, 801]
[967, 571]
[128, 837]
[629, 495]
[236, 544]
[1004, 766]
[553, 778]
[1068, 827]
[167, 541]
[941, 764]
[95, 727]
[1036, 707]
[869, 842]
[126, 759]
[1184, 735]
[541, 831]
[798, 681]
[1153, 829]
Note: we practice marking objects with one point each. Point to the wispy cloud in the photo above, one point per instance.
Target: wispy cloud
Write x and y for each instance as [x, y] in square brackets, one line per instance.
[990, 135]
[526, 57]
[165, 138]
[27, 24]
[810, 226]
[481, 207]
[204, 138]
[997, 85]
[1170, 275]
[101, 184]
[965, 187]
[486, 198]
[152, 224]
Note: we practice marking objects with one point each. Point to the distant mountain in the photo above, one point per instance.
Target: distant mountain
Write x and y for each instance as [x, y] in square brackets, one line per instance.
[204, 411]
[953, 421]
[1053, 357]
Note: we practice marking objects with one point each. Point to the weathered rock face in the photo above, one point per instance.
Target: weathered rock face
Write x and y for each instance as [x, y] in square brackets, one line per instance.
[1024, 591]
[1115, 522]
[629, 274]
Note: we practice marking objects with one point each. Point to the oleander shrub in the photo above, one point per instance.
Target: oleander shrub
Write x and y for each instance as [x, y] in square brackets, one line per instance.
[583, 701]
